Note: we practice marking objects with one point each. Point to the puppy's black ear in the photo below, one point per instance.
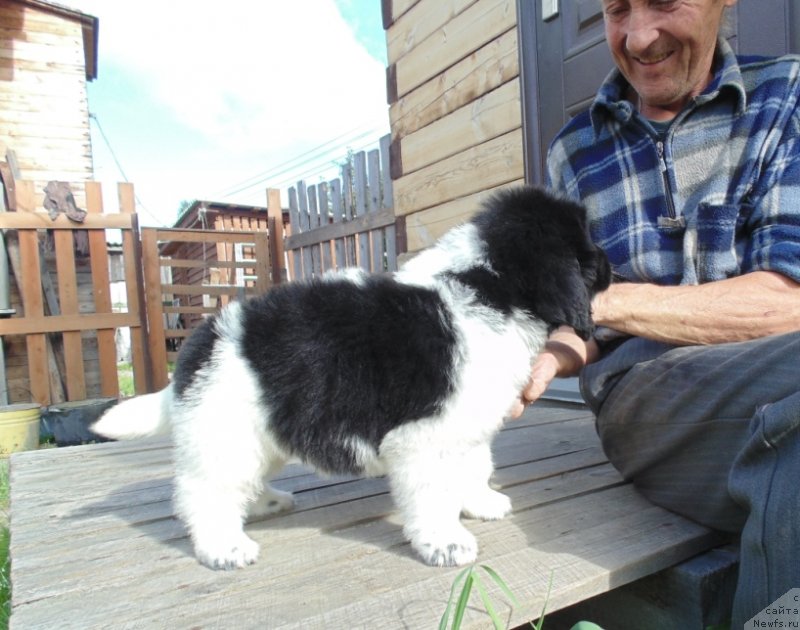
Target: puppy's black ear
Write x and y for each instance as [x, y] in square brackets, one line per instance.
[564, 298]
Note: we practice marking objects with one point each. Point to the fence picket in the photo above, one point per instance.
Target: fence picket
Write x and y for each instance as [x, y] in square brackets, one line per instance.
[351, 219]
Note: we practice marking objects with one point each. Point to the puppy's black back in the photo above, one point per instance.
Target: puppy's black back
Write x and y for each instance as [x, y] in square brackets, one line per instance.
[337, 360]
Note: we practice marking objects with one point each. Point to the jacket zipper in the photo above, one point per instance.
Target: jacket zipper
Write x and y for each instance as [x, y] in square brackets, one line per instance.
[665, 176]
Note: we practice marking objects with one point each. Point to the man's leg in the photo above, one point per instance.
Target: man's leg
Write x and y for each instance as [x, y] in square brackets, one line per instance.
[680, 422]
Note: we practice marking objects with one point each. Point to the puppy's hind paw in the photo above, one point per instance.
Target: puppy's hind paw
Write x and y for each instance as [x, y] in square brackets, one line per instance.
[233, 553]
[271, 501]
[441, 550]
[488, 505]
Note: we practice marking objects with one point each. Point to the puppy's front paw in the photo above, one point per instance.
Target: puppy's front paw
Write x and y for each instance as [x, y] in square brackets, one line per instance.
[488, 505]
[231, 553]
[446, 548]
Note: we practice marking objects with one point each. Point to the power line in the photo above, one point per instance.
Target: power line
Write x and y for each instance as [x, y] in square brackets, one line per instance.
[294, 164]
[139, 203]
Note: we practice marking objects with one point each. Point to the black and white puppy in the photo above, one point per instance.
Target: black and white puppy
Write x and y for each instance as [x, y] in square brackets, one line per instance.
[408, 375]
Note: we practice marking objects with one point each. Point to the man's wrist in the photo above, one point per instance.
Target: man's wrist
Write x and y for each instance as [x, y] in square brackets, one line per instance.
[570, 359]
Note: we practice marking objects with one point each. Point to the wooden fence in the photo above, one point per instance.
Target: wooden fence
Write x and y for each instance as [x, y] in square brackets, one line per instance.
[237, 265]
[347, 221]
[52, 324]
[169, 287]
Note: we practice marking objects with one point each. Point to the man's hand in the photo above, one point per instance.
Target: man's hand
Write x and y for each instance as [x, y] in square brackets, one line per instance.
[564, 355]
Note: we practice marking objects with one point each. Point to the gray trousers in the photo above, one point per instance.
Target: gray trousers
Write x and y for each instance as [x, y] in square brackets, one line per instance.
[712, 433]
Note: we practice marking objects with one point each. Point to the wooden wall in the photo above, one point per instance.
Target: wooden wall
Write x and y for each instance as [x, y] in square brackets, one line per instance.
[44, 113]
[453, 89]
[47, 54]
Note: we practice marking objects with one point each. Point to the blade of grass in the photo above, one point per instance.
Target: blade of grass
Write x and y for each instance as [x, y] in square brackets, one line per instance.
[446, 616]
[487, 604]
[461, 606]
[501, 583]
[546, 599]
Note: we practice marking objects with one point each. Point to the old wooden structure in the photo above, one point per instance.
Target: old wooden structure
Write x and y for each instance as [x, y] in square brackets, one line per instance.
[60, 343]
[348, 221]
[48, 53]
[206, 262]
[106, 550]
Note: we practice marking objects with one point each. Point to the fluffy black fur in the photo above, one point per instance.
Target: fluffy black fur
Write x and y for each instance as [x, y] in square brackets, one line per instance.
[542, 257]
[364, 359]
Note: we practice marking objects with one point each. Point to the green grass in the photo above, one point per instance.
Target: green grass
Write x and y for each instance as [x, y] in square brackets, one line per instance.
[5, 564]
[125, 377]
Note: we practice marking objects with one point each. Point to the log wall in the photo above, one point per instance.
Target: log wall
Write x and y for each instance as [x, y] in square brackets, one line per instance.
[455, 111]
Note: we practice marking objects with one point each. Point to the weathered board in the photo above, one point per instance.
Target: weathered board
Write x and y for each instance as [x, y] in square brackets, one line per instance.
[94, 543]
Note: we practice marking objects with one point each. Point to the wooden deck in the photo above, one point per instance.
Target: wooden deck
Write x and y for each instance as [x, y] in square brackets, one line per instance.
[94, 543]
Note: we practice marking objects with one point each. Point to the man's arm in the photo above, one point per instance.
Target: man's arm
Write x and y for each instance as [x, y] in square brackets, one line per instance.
[753, 305]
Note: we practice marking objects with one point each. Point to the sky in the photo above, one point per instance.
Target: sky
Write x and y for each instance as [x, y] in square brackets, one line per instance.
[218, 101]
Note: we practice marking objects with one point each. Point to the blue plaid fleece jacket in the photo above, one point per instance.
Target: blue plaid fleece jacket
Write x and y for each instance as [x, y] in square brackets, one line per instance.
[717, 196]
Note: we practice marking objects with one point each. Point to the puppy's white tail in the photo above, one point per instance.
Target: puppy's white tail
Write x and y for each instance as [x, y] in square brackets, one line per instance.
[140, 416]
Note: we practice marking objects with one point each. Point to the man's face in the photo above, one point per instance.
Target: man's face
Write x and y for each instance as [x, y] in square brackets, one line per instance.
[665, 48]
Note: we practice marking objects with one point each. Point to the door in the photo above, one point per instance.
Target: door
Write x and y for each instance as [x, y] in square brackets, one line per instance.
[564, 58]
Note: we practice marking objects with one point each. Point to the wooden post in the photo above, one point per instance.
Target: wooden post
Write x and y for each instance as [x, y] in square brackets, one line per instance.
[275, 227]
[101, 287]
[156, 340]
[134, 285]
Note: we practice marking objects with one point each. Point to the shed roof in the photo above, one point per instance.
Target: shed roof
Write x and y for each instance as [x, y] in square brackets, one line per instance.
[89, 26]
[192, 217]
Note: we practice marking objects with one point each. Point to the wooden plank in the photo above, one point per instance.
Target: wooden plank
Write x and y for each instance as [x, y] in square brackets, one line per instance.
[263, 264]
[425, 227]
[296, 258]
[156, 342]
[464, 34]
[494, 64]
[68, 299]
[419, 23]
[338, 216]
[101, 286]
[276, 236]
[40, 325]
[42, 220]
[230, 290]
[360, 184]
[32, 302]
[364, 223]
[134, 286]
[111, 530]
[492, 115]
[314, 224]
[203, 236]
[190, 310]
[185, 263]
[488, 165]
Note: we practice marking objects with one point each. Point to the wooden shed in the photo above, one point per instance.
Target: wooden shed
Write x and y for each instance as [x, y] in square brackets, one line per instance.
[478, 88]
[204, 263]
[48, 53]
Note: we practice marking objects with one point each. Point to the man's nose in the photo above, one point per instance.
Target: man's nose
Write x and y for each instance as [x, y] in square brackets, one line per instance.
[641, 31]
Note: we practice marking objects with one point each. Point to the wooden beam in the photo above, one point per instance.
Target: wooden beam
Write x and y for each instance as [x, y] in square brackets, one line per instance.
[101, 285]
[276, 236]
[42, 221]
[156, 342]
[41, 324]
[365, 223]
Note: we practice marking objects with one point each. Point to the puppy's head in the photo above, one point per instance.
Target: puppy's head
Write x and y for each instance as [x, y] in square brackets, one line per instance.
[539, 246]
